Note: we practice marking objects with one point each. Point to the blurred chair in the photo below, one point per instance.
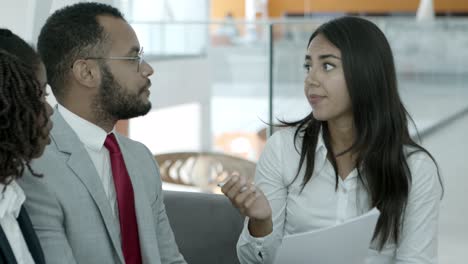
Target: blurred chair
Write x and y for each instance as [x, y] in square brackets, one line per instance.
[201, 169]
[206, 226]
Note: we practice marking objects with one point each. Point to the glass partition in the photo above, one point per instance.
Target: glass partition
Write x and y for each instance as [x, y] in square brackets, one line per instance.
[431, 67]
[218, 84]
[210, 87]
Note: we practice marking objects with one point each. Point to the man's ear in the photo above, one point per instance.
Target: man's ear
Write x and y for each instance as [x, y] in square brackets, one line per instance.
[87, 73]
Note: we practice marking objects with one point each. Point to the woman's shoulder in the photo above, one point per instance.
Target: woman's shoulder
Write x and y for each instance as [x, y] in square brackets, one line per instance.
[285, 136]
[284, 132]
[417, 157]
[424, 170]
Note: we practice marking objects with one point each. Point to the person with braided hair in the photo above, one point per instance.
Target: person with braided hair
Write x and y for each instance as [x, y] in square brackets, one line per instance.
[24, 133]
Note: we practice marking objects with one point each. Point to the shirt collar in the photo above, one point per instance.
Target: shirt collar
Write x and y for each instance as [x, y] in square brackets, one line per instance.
[91, 135]
[11, 199]
[321, 151]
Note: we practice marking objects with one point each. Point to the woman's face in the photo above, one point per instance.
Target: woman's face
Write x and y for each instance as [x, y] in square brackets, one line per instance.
[325, 84]
[42, 78]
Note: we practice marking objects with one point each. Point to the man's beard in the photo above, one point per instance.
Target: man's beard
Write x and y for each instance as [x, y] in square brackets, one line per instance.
[115, 102]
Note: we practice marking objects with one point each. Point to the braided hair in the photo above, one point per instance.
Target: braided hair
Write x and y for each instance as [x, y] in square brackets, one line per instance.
[23, 116]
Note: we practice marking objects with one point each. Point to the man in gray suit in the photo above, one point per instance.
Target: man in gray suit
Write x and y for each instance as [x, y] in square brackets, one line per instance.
[100, 200]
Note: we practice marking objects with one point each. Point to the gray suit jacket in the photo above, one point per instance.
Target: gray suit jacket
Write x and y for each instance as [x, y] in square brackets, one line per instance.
[72, 215]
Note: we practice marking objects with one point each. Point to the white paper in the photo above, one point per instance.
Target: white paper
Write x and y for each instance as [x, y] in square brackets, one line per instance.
[344, 243]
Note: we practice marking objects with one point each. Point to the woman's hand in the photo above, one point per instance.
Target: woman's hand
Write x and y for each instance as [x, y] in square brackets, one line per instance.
[250, 200]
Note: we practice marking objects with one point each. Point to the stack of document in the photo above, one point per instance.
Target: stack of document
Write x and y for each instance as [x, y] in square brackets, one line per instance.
[346, 243]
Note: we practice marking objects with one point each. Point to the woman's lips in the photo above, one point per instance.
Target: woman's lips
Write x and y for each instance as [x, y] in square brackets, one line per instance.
[315, 99]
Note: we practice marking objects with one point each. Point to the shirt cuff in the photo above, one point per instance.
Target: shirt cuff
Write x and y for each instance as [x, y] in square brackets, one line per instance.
[257, 241]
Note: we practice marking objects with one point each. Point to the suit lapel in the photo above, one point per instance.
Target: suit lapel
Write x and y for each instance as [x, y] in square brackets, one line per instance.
[145, 218]
[6, 249]
[82, 166]
[30, 237]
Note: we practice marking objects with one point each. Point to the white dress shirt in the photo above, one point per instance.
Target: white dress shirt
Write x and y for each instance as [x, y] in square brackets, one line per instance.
[93, 138]
[320, 205]
[11, 199]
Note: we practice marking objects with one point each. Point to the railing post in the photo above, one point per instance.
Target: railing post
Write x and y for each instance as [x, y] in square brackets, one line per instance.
[270, 79]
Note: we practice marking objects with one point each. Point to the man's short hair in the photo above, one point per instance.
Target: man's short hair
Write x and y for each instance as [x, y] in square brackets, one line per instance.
[71, 33]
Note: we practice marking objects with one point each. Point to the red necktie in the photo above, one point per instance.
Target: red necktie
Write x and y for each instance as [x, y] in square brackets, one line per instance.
[126, 203]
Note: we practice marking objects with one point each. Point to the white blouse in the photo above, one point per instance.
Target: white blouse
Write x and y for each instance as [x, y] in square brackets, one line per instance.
[11, 199]
[320, 205]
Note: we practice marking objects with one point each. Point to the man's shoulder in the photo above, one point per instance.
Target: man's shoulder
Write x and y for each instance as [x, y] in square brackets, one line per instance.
[136, 149]
[51, 153]
[130, 144]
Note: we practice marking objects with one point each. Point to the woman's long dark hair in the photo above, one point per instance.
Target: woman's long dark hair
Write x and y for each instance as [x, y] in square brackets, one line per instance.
[23, 115]
[380, 122]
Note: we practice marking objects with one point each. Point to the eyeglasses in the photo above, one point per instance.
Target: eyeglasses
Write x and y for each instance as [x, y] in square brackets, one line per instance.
[138, 58]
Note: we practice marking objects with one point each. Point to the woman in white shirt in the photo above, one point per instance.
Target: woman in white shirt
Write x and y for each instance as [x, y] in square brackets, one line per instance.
[24, 133]
[351, 153]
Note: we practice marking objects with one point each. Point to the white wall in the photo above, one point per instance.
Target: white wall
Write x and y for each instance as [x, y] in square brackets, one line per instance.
[26, 17]
[19, 17]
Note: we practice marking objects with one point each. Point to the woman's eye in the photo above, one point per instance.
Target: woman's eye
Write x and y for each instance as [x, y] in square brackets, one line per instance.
[306, 68]
[328, 66]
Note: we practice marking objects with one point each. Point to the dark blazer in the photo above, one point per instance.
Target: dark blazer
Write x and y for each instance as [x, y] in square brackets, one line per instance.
[6, 253]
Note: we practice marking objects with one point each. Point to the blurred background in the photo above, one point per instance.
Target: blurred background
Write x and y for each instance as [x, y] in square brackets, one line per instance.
[225, 69]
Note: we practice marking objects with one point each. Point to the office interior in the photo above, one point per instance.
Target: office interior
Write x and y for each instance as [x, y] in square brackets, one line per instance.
[227, 69]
